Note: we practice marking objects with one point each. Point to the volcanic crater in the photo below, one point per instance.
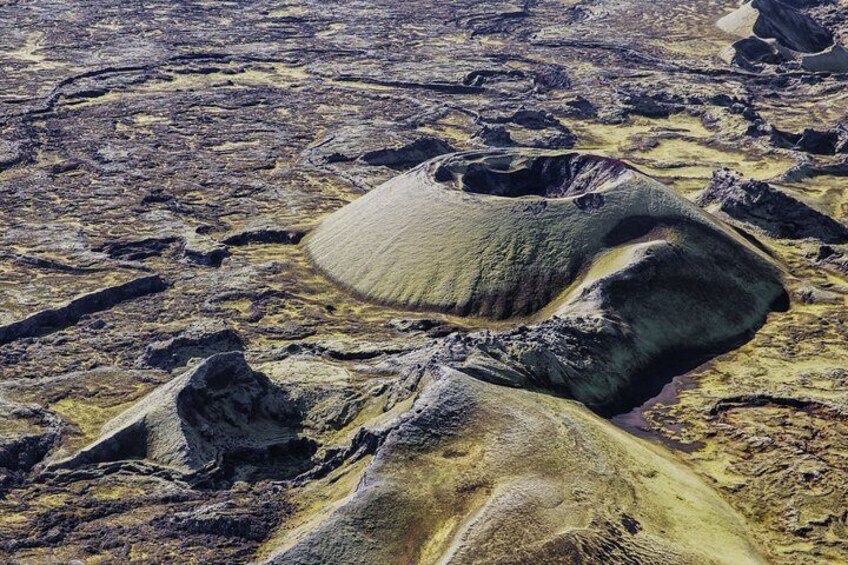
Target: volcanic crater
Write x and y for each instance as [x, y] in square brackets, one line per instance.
[504, 234]
[516, 175]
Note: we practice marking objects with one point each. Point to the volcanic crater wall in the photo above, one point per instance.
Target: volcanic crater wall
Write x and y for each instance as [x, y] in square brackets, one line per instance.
[611, 272]
[497, 234]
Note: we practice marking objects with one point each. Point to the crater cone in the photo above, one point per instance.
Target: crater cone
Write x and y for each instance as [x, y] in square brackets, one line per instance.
[506, 233]
[776, 31]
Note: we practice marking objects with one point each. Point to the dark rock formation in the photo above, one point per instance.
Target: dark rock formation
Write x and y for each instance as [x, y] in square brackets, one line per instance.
[790, 27]
[286, 236]
[833, 258]
[221, 519]
[495, 77]
[778, 214]
[753, 51]
[650, 104]
[530, 119]
[204, 253]
[201, 340]
[368, 155]
[54, 319]
[494, 136]
[137, 249]
[20, 453]
[409, 155]
[829, 142]
[581, 107]
[375, 147]
[500, 136]
[219, 421]
[433, 327]
[782, 33]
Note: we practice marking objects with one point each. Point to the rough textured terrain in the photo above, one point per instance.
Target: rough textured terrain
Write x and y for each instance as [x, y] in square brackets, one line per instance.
[182, 379]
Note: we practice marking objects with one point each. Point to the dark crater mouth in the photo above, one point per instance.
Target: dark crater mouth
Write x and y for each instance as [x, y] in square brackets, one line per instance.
[516, 176]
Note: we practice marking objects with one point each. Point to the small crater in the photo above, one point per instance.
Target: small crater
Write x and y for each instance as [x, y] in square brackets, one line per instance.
[513, 176]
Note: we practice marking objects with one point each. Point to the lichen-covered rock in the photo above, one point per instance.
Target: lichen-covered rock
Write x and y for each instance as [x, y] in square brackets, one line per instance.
[220, 418]
[27, 434]
[202, 339]
[761, 205]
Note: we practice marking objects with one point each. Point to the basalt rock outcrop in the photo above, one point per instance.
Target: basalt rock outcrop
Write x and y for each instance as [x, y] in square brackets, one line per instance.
[58, 317]
[768, 209]
[220, 419]
[828, 142]
[201, 340]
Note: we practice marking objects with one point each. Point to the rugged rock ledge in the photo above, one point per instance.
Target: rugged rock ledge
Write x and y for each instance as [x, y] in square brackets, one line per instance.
[763, 206]
[53, 319]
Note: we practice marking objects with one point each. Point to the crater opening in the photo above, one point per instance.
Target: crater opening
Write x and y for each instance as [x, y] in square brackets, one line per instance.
[558, 176]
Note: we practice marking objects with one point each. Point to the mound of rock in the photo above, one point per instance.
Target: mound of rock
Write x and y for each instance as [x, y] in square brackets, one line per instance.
[221, 519]
[368, 155]
[619, 280]
[525, 128]
[219, 417]
[827, 142]
[833, 258]
[477, 473]
[774, 32]
[759, 204]
[27, 434]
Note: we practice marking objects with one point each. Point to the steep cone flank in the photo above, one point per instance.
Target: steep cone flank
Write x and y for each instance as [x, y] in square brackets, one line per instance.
[503, 234]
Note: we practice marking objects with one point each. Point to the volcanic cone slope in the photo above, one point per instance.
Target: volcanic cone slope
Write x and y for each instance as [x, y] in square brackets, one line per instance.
[506, 234]
[477, 473]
